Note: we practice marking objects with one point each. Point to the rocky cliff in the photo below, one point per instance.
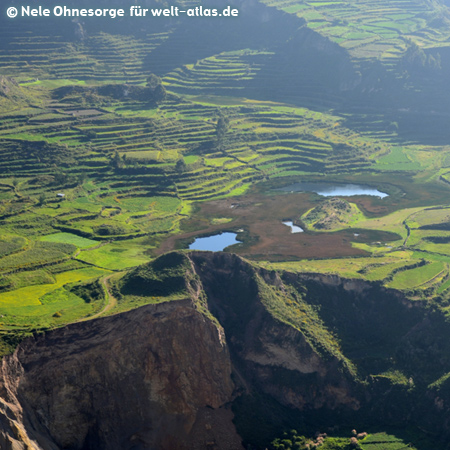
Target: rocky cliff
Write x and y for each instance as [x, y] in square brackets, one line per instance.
[157, 377]
[232, 352]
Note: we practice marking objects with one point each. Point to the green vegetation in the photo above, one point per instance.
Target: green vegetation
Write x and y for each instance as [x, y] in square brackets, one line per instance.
[35, 306]
[370, 30]
[162, 277]
[11, 244]
[417, 277]
[292, 441]
[383, 441]
[116, 256]
[67, 238]
[376, 441]
[102, 161]
[289, 307]
[332, 214]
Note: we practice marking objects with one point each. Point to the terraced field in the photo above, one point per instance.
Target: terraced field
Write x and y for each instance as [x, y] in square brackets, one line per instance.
[99, 173]
[371, 30]
[384, 441]
[87, 186]
[102, 56]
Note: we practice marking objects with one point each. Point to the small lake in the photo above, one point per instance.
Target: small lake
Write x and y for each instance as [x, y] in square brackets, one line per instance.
[294, 228]
[333, 190]
[215, 243]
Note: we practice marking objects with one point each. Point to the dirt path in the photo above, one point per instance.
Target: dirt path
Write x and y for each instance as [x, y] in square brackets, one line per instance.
[111, 301]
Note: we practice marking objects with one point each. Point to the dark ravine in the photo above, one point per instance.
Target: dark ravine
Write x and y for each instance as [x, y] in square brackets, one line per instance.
[177, 375]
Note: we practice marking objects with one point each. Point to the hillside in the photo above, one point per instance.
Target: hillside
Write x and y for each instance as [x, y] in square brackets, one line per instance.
[376, 64]
[120, 142]
[331, 214]
[243, 341]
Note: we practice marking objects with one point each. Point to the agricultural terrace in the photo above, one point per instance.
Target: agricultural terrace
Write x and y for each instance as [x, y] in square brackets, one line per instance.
[104, 165]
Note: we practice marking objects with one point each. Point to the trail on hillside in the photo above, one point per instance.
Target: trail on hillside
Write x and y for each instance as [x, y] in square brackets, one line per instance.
[111, 301]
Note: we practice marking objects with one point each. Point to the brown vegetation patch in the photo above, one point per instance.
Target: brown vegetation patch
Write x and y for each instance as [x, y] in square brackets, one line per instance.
[261, 217]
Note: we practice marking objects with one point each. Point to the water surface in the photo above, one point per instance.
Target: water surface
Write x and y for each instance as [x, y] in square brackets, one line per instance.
[215, 243]
[333, 190]
[294, 228]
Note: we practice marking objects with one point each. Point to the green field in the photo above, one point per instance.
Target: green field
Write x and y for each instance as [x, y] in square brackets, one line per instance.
[385, 441]
[37, 305]
[68, 238]
[116, 256]
[417, 277]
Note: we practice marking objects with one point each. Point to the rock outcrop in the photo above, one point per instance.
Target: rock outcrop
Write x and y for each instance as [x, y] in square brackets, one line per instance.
[269, 350]
[156, 377]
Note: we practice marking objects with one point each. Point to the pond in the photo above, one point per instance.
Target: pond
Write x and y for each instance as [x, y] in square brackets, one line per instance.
[294, 228]
[215, 243]
[332, 190]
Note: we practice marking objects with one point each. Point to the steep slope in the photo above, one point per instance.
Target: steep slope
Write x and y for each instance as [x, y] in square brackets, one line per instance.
[13, 96]
[278, 349]
[156, 377]
[262, 319]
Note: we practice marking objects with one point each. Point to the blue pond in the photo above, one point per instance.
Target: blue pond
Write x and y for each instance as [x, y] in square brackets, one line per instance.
[332, 190]
[294, 228]
[214, 243]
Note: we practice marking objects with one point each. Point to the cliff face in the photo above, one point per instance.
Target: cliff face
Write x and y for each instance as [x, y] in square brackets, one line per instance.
[266, 344]
[159, 377]
[277, 357]
[156, 377]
